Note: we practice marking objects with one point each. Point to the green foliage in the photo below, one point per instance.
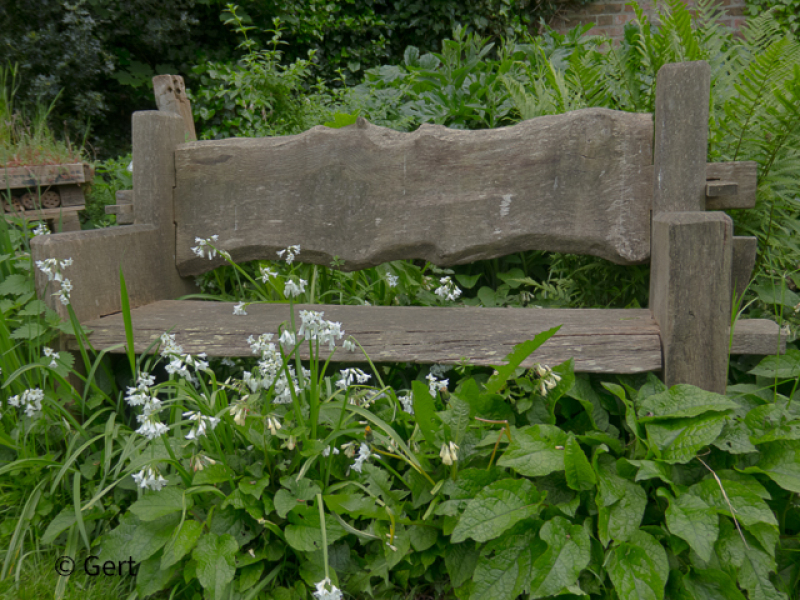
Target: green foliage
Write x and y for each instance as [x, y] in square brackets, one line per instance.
[787, 12]
[111, 176]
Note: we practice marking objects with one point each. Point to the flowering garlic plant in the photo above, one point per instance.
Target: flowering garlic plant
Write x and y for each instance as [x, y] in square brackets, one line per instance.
[448, 290]
[53, 269]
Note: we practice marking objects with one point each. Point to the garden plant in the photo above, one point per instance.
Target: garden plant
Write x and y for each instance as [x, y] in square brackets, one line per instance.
[272, 477]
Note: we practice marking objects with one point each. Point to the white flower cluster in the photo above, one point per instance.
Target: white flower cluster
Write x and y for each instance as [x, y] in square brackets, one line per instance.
[392, 279]
[349, 345]
[327, 451]
[179, 362]
[201, 423]
[239, 309]
[448, 290]
[408, 403]
[143, 396]
[267, 274]
[41, 230]
[239, 413]
[323, 593]
[363, 455]
[292, 289]
[52, 268]
[435, 384]
[270, 370]
[314, 327]
[53, 356]
[548, 379]
[149, 478]
[204, 248]
[30, 401]
[273, 425]
[200, 462]
[348, 375]
[290, 252]
[449, 453]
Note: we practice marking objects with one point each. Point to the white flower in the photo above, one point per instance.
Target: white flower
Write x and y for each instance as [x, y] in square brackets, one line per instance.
[239, 309]
[408, 403]
[436, 384]
[349, 345]
[392, 279]
[327, 451]
[204, 249]
[287, 339]
[294, 289]
[30, 401]
[448, 290]
[290, 252]
[349, 449]
[348, 375]
[448, 453]
[199, 430]
[228, 362]
[200, 462]
[151, 429]
[52, 355]
[149, 478]
[267, 274]
[41, 230]
[239, 414]
[324, 594]
[273, 425]
[548, 379]
[363, 455]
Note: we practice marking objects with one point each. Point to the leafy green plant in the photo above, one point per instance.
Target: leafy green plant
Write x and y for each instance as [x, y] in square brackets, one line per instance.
[111, 176]
[787, 12]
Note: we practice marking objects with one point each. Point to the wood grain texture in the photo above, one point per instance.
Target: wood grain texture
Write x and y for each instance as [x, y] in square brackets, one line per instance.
[744, 174]
[170, 94]
[744, 259]
[41, 175]
[145, 251]
[681, 137]
[758, 336]
[611, 341]
[690, 293]
[721, 188]
[575, 182]
[71, 195]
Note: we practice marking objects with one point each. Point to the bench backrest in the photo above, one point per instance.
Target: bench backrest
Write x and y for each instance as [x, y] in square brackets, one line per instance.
[578, 183]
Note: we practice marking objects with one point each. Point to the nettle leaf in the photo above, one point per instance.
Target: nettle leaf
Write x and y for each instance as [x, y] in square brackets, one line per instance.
[460, 560]
[711, 584]
[679, 440]
[16, 285]
[182, 543]
[216, 562]
[304, 531]
[568, 553]
[497, 508]
[634, 574]
[780, 461]
[682, 401]
[504, 568]
[692, 519]
[785, 366]
[154, 506]
[580, 475]
[535, 451]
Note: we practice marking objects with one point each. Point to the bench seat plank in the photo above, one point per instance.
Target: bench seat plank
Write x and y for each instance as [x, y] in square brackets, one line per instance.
[601, 341]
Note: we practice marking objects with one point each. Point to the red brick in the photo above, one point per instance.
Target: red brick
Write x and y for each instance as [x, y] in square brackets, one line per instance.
[628, 9]
[622, 19]
[737, 11]
[605, 20]
[614, 8]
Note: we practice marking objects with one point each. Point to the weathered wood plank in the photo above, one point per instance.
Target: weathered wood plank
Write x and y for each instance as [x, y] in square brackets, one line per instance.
[744, 173]
[615, 341]
[40, 214]
[41, 175]
[681, 137]
[721, 188]
[744, 259]
[758, 336]
[690, 292]
[170, 93]
[71, 195]
[575, 182]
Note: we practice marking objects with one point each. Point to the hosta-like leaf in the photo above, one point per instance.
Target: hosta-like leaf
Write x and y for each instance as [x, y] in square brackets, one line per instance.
[580, 475]
[693, 520]
[496, 508]
[536, 451]
[682, 401]
[568, 553]
[679, 440]
[216, 562]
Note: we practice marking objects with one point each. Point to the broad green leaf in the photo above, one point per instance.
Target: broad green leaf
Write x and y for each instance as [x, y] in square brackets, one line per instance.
[772, 423]
[568, 553]
[285, 502]
[515, 358]
[652, 469]
[423, 410]
[693, 520]
[620, 503]
[252, 486]
[156, 505]
[62, 521]
[735, 438]
[679, 440]
[580, 475]
[785, 366]
[535, 451]
[423, 538]
[634, 574]
[506, 573]
[216, 473]
[151, 578]
[711, 584]
[780, 461]
[583, 392]
[654, 550]
[249, 576]
[304, 532]
[16, 285]
[459, 411]
[682, 401]
[750, 507]
[468, 282]
[216, 562]
[751, 564]
[354, 505]
[151, 536]
[460, 560]
[115, 545]
[182, 543]
[497, 508]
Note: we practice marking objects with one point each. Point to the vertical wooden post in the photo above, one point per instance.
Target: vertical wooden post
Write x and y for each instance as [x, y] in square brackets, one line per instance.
[691, 250]
[170, 93]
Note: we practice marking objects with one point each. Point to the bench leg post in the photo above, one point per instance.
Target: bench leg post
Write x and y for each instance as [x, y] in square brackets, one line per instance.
[690, 289]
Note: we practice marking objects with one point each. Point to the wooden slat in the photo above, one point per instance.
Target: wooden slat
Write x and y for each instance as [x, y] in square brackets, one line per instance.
[170, 93]
[758, 336]
[745, 249]
[744, 173]
[576, 182]
[45, 213]
[721, 188]
[611, 341]
[41, 175]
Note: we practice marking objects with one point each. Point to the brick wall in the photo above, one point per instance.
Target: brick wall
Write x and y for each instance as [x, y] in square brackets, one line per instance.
[610, 16]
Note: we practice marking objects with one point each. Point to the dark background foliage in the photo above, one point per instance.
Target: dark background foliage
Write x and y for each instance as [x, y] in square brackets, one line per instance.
[100, 55]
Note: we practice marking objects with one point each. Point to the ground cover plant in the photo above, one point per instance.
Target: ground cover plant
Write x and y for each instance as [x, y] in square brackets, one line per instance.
[272, 477]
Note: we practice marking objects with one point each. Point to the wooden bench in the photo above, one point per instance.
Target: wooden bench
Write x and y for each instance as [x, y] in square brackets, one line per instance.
[594, 181]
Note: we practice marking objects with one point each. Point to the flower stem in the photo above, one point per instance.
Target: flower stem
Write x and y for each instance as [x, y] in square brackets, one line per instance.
[324, 536]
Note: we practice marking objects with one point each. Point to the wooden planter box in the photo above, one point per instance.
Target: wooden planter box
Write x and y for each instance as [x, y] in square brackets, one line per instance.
[45, 192]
